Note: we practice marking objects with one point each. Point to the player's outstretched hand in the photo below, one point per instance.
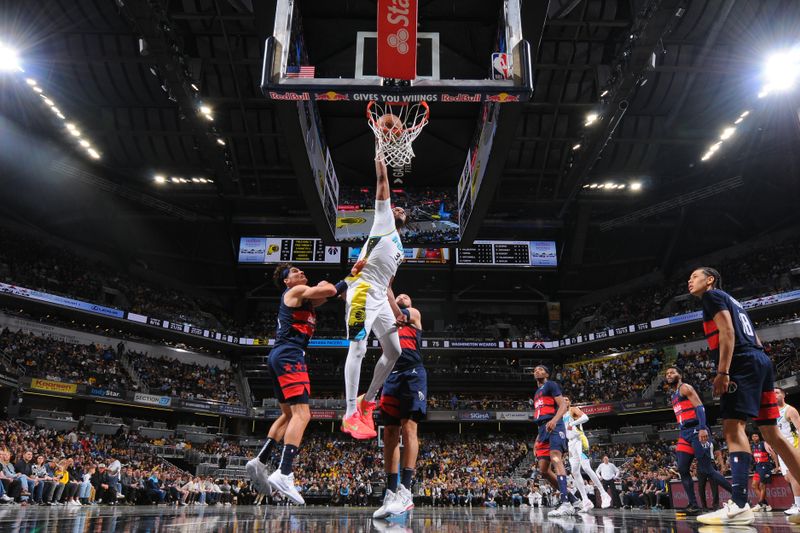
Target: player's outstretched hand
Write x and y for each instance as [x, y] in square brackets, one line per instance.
[721, 383]
[323, 283]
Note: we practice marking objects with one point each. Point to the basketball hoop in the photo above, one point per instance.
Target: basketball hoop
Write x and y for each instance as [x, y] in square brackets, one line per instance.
[395, 126]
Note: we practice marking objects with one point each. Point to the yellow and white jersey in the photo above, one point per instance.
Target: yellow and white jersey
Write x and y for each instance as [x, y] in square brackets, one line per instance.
[784, 426]
[383, 250]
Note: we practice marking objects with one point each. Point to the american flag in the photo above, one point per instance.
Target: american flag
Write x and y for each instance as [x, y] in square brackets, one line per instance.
[305, 71]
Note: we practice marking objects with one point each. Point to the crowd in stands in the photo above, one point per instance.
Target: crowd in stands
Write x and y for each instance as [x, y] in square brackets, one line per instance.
[611, 378]
[171, 377]
[511, 327]
[99, 366]
[41, 357]
[757, 273]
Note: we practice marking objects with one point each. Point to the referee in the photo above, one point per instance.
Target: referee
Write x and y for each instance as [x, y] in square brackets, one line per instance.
[608, 473]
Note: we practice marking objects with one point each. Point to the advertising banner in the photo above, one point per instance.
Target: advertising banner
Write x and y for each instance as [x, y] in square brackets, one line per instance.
[194, 405]
[231, 410]
[597, 409]
[475, 416]
[61, 300]
[152, 399]
[514, 416]
[323, 414]
[54, 386]
[779, 494]
[106, 393]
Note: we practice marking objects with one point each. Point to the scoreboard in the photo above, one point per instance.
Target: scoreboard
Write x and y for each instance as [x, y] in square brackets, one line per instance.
[509, 253]
[414, 256]
[265, 250]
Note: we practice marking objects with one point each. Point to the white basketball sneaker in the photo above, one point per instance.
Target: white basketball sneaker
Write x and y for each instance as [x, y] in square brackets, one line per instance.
[259, 475]
[285, 485]
[403, 501]
[730, 515]
[388, 498]
[605, 501]
[565, 509]
[792, 510]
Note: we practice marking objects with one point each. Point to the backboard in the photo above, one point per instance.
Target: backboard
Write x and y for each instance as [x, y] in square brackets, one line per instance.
[346, 53]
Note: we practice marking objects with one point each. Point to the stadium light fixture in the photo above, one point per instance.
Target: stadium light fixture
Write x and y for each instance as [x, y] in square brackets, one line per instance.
[636, 186]
[590, 118]
[610, 185]
[85, 143]
[37, 89]
[30, 81]
[576, 146]
[204, 109]
[158, 178]
[220, 142]
[93, 153]
[781, 71]
[727, 133]
[9, 59]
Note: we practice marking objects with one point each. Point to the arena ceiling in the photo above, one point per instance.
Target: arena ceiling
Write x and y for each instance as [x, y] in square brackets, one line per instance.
[664, 76]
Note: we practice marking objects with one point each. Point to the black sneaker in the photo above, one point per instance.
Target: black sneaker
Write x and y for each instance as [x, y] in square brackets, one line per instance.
[691, 510]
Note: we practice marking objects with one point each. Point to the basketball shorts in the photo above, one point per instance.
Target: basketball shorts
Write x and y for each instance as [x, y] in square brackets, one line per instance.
[367, 310]
[547, 441]
[754, 394]
[287, 363]
[404, 396]
[781, 463]
[763, 473]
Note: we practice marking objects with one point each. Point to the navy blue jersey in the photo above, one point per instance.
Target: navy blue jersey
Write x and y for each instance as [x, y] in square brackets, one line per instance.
[760, 454]
[544, 401]
[295, 324]
[410, 341]
[715, 301]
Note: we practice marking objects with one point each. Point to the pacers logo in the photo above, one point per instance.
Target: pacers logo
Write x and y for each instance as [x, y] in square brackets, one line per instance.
[399, 40]
[360, 315]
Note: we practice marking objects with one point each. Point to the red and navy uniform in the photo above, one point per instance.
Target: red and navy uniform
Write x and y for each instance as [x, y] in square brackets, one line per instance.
[751, 370]
[287, 358]
[689, 439]
[405, 391]
[762, 463]
[545, 407]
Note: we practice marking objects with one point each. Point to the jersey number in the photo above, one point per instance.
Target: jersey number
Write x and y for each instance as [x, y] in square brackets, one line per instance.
[746, 325]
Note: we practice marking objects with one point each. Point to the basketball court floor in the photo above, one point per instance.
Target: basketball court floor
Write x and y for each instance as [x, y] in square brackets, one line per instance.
[247, 519]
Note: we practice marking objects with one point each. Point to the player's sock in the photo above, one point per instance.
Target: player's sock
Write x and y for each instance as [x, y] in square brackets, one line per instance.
[352, 374]
[266, 452]
[562, 487]
[391, 352]
[797, 501]
[287, 457]
[740, 468]
[702, 481]
[408, 476]
[391, 481]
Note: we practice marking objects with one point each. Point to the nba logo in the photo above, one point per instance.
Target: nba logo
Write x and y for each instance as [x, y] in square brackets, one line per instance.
[500, 67]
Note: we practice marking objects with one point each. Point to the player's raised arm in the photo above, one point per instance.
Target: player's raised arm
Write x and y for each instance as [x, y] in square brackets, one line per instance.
[298, 293]
[382, 188]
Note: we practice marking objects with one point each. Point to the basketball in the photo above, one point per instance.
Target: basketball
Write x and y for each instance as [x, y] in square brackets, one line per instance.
[391, 123]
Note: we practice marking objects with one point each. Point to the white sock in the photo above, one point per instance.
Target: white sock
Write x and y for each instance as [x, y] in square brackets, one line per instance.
[391, 352]
[797, 501]
[352, 374]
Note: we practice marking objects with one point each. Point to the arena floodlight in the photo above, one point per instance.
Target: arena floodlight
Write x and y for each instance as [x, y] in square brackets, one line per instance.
[85, 143]
[30, 81]
[49, 102]
[158, 178]
[9, 59]
[220, 142]
[93, 153]
[37, 89]
[204, 109]
[636, 186]
[781, 71]
[609, 185]
[590, 118]
[576, 146]
[744, 114]
[727, 133]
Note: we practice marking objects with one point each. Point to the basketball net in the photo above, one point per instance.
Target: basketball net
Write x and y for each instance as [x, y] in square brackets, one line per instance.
[393, 144]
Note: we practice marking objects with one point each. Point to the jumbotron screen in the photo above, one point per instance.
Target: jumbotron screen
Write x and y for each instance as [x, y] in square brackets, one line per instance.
[269, 250]
[509, 253]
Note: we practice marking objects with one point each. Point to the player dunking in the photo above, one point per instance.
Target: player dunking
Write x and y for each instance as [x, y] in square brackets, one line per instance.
[549, 409]
[296, 323]
[745, 384]
[403, 405]
[578, 445]
[368, 308]
[788, 423]
[695, 438]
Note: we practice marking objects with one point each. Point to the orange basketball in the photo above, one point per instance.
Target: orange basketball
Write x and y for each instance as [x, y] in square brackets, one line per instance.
[391, 124]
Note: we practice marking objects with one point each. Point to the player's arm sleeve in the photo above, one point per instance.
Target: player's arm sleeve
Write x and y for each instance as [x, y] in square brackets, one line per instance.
[384, 218]
[713, 303]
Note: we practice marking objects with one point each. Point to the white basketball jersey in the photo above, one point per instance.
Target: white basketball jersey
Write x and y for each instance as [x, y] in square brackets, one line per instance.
[573, 432]
[383, 250]
[784, 426]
